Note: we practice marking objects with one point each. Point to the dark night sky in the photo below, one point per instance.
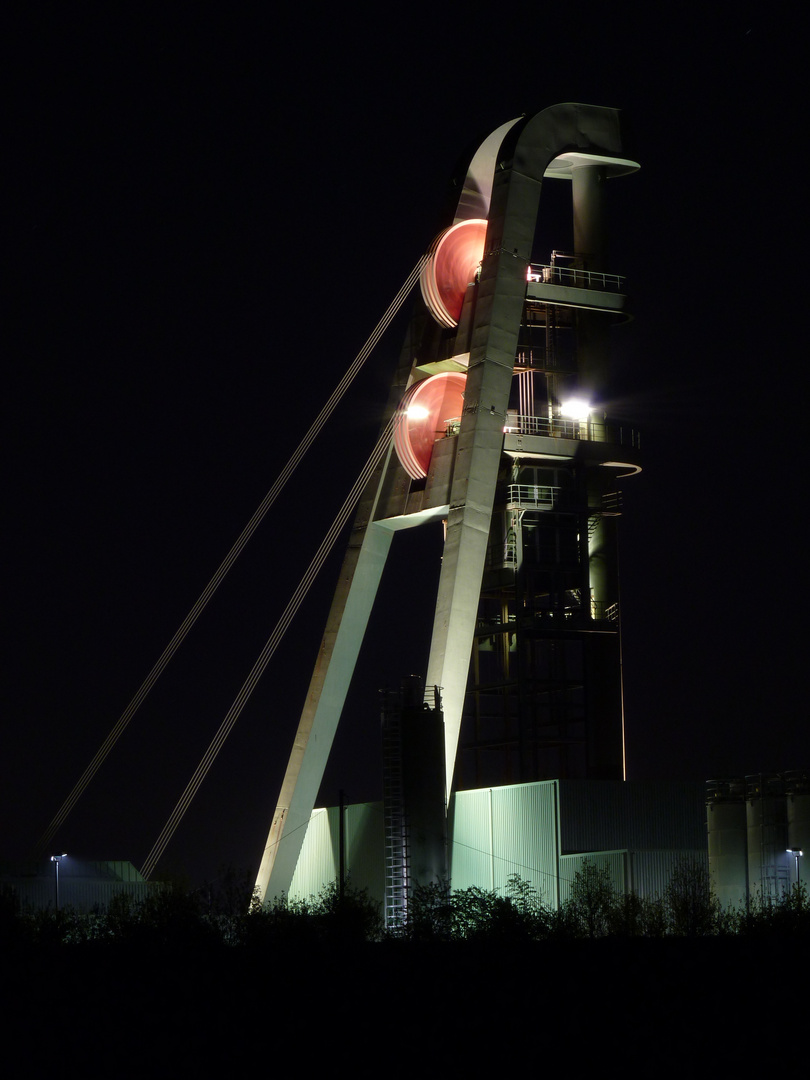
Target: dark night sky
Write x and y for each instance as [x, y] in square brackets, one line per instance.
[207, 221]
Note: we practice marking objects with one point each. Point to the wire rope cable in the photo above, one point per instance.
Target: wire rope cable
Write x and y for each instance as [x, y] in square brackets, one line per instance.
[212, 586]
[267, 652]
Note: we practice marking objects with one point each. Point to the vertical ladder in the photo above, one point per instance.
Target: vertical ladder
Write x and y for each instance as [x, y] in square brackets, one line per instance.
[396, 833]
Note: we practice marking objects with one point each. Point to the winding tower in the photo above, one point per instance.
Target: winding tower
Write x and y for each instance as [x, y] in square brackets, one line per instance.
[499, 432]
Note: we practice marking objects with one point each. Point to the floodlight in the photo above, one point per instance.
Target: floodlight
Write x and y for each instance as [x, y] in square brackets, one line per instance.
[576, 409]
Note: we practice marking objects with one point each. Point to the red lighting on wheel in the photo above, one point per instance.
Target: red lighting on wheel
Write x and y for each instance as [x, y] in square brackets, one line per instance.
[451, 267]
[426, 413]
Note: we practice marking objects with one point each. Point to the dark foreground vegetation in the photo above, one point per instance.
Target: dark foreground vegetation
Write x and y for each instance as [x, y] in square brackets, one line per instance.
[204, 981]
[227, 915]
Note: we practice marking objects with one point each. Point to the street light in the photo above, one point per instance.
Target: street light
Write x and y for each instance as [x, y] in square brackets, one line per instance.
[797, 854]
[56, 859]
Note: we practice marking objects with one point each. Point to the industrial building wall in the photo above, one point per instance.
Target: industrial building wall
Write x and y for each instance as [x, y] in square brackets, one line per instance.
[365, 854]
[80, 896]
[541, 831]
[615, 862]
[319, 862]
[602, 815]
[495, 832]
[498, 832]
[645, 873]
[639, 831]
[84, 885]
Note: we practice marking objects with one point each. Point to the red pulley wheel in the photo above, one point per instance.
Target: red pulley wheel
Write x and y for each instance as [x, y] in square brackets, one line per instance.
[452, 265]
[427, 412]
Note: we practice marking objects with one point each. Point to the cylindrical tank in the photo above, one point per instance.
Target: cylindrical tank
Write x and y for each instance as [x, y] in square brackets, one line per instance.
[768, 868]
[728, 840]
[797, 789]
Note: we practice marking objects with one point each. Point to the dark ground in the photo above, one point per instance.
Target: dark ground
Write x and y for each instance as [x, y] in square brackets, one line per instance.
[653, 1007]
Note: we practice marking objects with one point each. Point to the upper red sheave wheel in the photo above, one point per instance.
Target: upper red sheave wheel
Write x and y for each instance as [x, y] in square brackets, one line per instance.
[452, 265]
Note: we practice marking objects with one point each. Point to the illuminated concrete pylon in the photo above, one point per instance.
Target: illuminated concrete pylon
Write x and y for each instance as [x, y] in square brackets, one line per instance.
[461, 456]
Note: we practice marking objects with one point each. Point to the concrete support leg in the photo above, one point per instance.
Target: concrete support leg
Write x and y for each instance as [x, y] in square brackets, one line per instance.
[346, 626]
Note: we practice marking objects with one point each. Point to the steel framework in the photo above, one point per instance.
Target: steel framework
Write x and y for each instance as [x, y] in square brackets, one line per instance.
[526, 638]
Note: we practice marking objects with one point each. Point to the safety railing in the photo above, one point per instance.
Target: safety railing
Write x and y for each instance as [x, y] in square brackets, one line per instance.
[532, 496]
[546, 274]
[574, 612]
[561, 428]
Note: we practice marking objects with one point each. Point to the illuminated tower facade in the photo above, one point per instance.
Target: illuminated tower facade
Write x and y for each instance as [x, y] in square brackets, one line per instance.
[498, 433]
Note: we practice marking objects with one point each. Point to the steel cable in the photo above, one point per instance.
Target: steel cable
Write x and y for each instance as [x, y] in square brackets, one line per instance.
[212, 586]
[267, 652]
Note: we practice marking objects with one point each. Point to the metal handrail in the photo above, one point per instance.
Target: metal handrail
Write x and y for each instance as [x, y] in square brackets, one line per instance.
[561, 428]
[590, 610]
[549, 274]
[532, 495]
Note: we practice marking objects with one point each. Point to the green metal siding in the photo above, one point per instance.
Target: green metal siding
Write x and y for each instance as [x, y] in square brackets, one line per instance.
[365, 848]
[638, 830]
[645, 873]
[319, 861]
[498, 832]
[604, 815]
[615, 862]
[470, 832]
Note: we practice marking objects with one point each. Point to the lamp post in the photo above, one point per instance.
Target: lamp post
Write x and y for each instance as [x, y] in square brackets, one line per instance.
[56, 859]
[797, 854]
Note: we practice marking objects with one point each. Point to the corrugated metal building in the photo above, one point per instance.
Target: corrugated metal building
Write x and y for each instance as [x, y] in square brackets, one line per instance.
[83, 885]
[541, 831]
[319, 861]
